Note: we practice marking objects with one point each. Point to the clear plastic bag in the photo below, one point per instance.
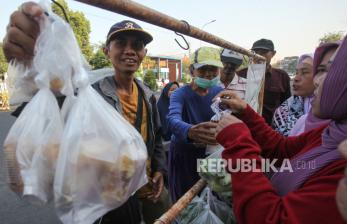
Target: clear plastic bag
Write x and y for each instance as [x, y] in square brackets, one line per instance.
[20, 83]
[192, 211]
[219, 181]
[102, 160]
[32, 145]
[218, 112]
[206, 208]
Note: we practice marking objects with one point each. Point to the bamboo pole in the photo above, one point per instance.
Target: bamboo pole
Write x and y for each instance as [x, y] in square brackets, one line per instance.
[183, 202]
[141, 12]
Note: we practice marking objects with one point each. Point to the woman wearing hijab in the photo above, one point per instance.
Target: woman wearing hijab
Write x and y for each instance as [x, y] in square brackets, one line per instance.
[163, 108]
[341, 194]
[306, 192]
[320, 64]
[297, 105]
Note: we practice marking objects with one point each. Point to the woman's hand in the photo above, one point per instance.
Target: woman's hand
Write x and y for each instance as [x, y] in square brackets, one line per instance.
[225, 121]
[232, 101]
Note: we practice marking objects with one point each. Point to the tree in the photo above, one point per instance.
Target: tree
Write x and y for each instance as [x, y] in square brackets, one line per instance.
[79, 24]
[185, 65]
[150, 80]
[139, 74]
[99, 59]
[331, 37]
[3, 62]
[185, 78]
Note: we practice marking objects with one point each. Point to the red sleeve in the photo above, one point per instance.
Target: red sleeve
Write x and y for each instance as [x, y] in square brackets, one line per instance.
[256, 201]
[272, 143]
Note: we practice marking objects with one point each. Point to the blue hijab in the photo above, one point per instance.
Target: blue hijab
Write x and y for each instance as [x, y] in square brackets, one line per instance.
[163, 108]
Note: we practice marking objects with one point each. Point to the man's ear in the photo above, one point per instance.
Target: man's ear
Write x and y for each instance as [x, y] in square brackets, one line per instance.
[191, 70]
[145, 52]
[273, 53]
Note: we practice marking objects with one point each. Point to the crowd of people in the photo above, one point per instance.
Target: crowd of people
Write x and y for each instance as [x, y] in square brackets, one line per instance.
[306, 126]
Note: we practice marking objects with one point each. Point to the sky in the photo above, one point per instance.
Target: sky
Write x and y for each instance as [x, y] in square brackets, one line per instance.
[294, 26]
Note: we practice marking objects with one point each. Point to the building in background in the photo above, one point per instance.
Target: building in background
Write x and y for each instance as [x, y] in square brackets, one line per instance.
[164, 67]
[288, 64]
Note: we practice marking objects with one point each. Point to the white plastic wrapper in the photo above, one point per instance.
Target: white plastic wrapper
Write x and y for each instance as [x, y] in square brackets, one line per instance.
[32, 144]
[20, 83]
[102, 161]
[206, 208]
[255, 79]
[86, 155]
[218, 112]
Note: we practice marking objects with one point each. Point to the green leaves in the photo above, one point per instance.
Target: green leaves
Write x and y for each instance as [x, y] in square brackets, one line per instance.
[3, 62]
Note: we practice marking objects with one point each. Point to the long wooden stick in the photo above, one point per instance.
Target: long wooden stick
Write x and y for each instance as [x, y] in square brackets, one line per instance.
[141, 12]
[176, 209]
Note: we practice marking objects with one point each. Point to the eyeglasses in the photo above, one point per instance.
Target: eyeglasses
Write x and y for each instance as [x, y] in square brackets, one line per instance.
[136, 44]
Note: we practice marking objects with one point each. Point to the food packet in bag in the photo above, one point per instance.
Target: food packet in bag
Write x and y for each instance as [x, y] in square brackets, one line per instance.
[31, 147]
[102, 160]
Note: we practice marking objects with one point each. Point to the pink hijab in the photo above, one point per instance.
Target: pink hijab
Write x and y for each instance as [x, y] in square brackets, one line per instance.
[312, 121]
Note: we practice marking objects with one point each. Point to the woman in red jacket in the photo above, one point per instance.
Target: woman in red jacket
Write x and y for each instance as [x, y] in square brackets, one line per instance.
[305, 194]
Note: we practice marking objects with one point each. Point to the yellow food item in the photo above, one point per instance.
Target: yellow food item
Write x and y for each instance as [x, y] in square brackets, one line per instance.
[14, 178]
[56, 84]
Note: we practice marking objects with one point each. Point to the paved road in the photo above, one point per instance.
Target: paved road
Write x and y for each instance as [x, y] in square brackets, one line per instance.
[13, 210]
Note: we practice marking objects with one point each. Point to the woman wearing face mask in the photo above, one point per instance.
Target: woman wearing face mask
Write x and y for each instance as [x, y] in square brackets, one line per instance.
[299, 104]
[189, 120]
[306, 192]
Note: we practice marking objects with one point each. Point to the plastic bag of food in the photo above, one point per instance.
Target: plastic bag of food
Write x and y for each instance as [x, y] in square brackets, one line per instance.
[102, 161]
[218, 180]
[32, 145]
[206, 208]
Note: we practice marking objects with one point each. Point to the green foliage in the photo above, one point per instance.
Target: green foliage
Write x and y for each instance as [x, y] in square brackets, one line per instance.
[185, 65]
[331, 37]
[98, 59]
[139, 74]
[3, 62]
[80, 25]
[185, 78]
[150, 80]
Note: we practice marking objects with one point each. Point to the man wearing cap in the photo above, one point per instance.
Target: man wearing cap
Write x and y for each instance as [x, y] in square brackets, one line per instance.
[125, 47]
[229, 79]
[189, 120]
[277, 81]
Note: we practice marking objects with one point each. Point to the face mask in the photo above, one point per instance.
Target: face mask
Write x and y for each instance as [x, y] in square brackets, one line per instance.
[206, 83]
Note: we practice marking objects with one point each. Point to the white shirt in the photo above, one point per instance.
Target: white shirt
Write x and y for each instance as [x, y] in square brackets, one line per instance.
[238, 84]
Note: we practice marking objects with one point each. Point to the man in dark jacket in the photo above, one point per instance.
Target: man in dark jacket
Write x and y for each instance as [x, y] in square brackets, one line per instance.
[277, 81]
[125, 47]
